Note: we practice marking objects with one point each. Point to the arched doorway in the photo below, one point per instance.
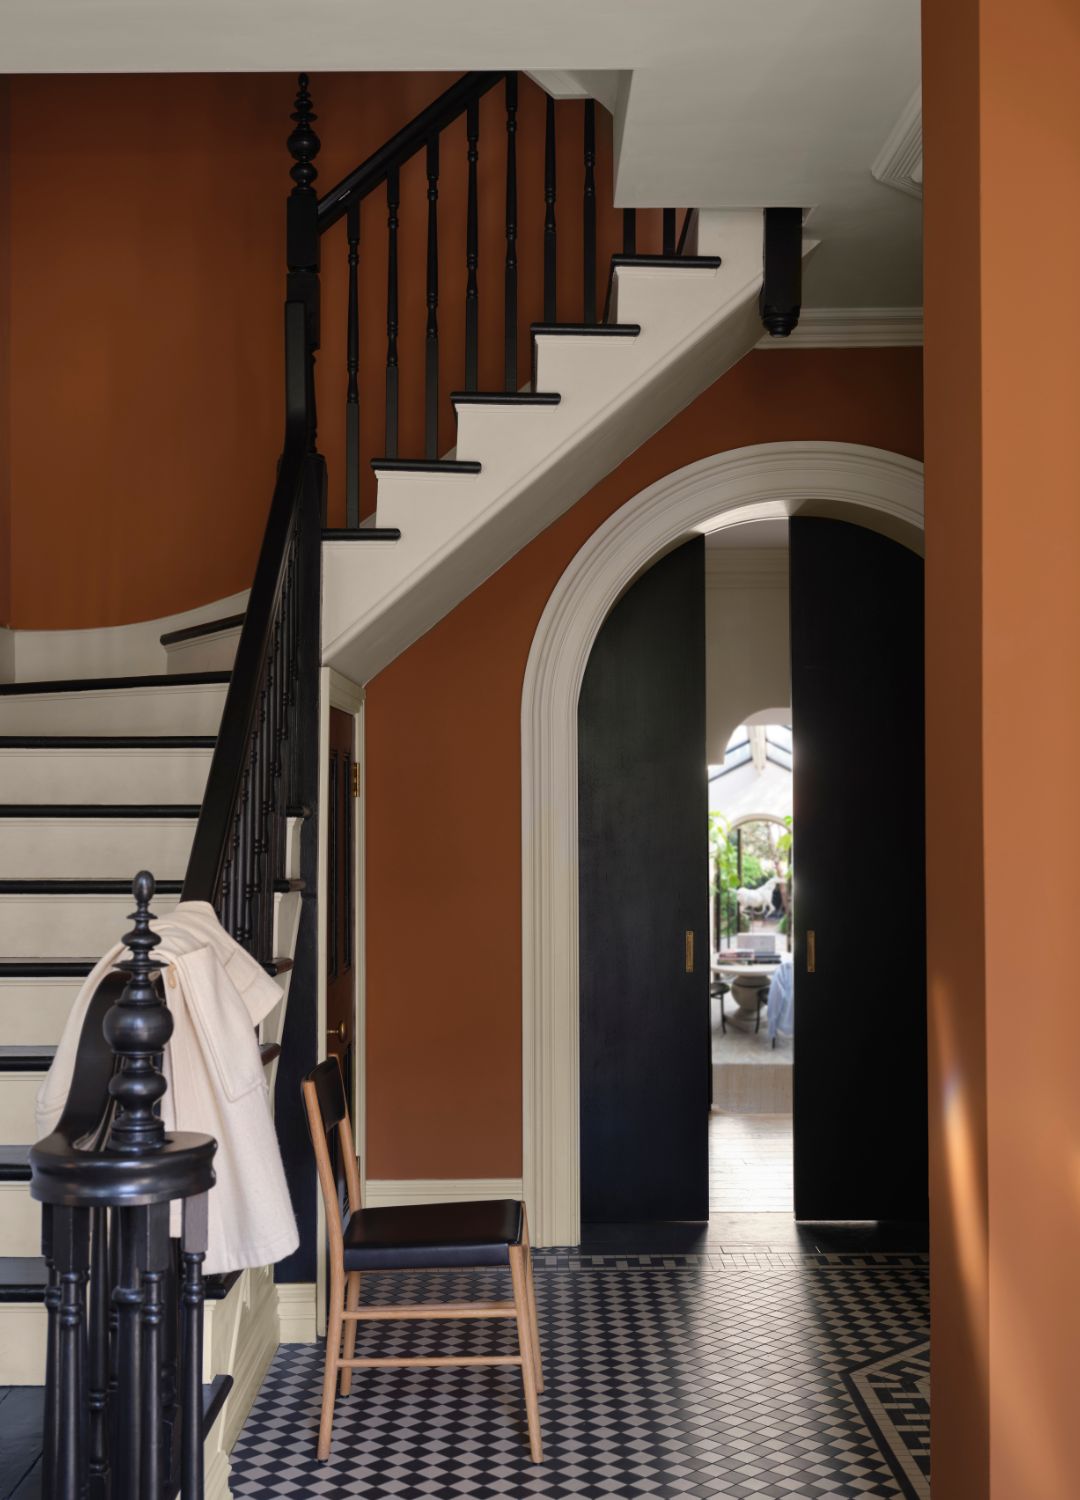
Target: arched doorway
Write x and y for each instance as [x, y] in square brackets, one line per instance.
[880, 490]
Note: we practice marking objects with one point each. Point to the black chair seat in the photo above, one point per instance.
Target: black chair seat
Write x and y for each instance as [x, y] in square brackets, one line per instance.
[432, 1236]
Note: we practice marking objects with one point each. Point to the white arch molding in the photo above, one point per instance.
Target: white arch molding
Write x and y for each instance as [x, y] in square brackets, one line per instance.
[768, 481]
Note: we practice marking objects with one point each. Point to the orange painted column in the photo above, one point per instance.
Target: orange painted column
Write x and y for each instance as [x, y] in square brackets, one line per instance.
[1002, 391]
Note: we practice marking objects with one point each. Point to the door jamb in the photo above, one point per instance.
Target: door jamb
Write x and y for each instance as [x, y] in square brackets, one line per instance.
[337, 691]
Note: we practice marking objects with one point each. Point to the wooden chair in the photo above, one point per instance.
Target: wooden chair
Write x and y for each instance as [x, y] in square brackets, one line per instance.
[434, 1236]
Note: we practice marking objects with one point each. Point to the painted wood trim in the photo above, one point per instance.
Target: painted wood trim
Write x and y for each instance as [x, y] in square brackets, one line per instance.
[296, 1312]
[768, 481]
[390, 1192]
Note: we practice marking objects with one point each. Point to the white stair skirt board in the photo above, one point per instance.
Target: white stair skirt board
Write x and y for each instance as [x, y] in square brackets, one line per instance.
[112, 651]
[51, 774]
[206, 653]
[389, 1193]
[18, 1091]
[457, 529]
[94, 848]
[20, 1220]
[183, 708]
[62, 926]
[22, 1343]
[33, 1012]
[296, 1312]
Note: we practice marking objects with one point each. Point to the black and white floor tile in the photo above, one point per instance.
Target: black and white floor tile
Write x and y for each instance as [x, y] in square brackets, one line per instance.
[765, 1375]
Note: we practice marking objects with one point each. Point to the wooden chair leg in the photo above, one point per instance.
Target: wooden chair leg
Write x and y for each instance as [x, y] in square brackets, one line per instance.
[533, 1320]
[519, 1274]
[352, 1302]
[333, 1348]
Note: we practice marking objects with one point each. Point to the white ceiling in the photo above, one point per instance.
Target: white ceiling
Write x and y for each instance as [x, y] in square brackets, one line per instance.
[720, 103]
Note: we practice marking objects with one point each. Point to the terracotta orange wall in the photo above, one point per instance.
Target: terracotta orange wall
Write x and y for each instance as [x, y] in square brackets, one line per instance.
[443, 755]
[1002, 131]
[143, 372]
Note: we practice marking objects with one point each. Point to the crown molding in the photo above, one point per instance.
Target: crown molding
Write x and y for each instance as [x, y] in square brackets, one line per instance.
[899, 163]
[852, 328]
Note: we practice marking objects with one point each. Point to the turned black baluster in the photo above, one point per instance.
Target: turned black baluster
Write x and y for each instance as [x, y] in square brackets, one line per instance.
[71, 1257]
[629, 231]
[193, 1253]
[510, 314]
[127, 1415]
[98, 1373]
[152, 1254]
[589, 215]
[431, 335]
[392, 204]
[51, 1429]
[669, 232]
[472, 252]
[302, 231]
[550, 249]
[352, 365]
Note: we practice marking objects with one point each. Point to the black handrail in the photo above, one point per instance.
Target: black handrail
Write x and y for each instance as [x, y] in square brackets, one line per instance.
[410, 139]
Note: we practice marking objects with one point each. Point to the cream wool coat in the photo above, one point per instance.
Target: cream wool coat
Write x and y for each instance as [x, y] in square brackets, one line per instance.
[217, 994]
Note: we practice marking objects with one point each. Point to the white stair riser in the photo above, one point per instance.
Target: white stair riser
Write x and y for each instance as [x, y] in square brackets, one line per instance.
[48, 775]
[64, 926]
[33, 1012]
[157, 710]
[23, 1333]
[94, 848]
[206, 653]
[17, 1094]
[20, 1220]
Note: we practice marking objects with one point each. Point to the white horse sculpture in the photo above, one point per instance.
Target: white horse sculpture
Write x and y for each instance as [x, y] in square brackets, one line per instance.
[759, 900]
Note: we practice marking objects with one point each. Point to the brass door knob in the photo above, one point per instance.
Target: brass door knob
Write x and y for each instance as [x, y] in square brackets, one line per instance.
[338, 1033]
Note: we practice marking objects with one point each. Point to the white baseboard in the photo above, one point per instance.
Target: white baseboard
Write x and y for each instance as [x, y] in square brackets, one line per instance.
[296, 1311]
[385, 1192]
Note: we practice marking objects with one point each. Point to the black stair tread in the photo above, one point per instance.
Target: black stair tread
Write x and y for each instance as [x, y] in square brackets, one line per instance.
[505, 398]
[26, 1059]
[682, 262]
[23, 1279]
[426, 465]
[46, 968]
[599, 330]
[208, 627]
[109, 684]
[362, 534]
[107, 741]
[99, 810]
[14, 1163]
[78, 968]
[81, 887]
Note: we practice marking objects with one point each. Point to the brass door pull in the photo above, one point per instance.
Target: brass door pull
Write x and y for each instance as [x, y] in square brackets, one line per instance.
[338, 1033]
[811, 951]
[689, 959]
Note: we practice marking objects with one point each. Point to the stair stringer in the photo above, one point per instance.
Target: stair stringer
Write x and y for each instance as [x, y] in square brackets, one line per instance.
[458, 529]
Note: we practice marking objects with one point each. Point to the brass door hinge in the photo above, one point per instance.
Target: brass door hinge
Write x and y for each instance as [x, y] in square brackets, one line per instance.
[356, 778]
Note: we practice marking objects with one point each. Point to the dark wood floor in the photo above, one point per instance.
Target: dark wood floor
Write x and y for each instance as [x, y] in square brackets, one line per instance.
[21, 1412]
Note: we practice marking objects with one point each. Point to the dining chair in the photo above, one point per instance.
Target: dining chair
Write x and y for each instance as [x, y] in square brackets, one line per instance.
[413, 1237]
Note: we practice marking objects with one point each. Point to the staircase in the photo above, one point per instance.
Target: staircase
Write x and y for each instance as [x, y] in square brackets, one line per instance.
[206, 773]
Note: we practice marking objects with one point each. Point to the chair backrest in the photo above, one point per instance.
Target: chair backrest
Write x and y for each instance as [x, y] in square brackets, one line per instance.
[327, 1111]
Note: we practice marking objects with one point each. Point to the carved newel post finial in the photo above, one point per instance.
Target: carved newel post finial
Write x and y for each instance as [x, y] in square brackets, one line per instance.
[303, 143]
[137, 1029]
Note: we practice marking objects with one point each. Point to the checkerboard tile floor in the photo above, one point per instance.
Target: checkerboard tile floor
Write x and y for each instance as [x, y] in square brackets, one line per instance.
[775, 1375]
